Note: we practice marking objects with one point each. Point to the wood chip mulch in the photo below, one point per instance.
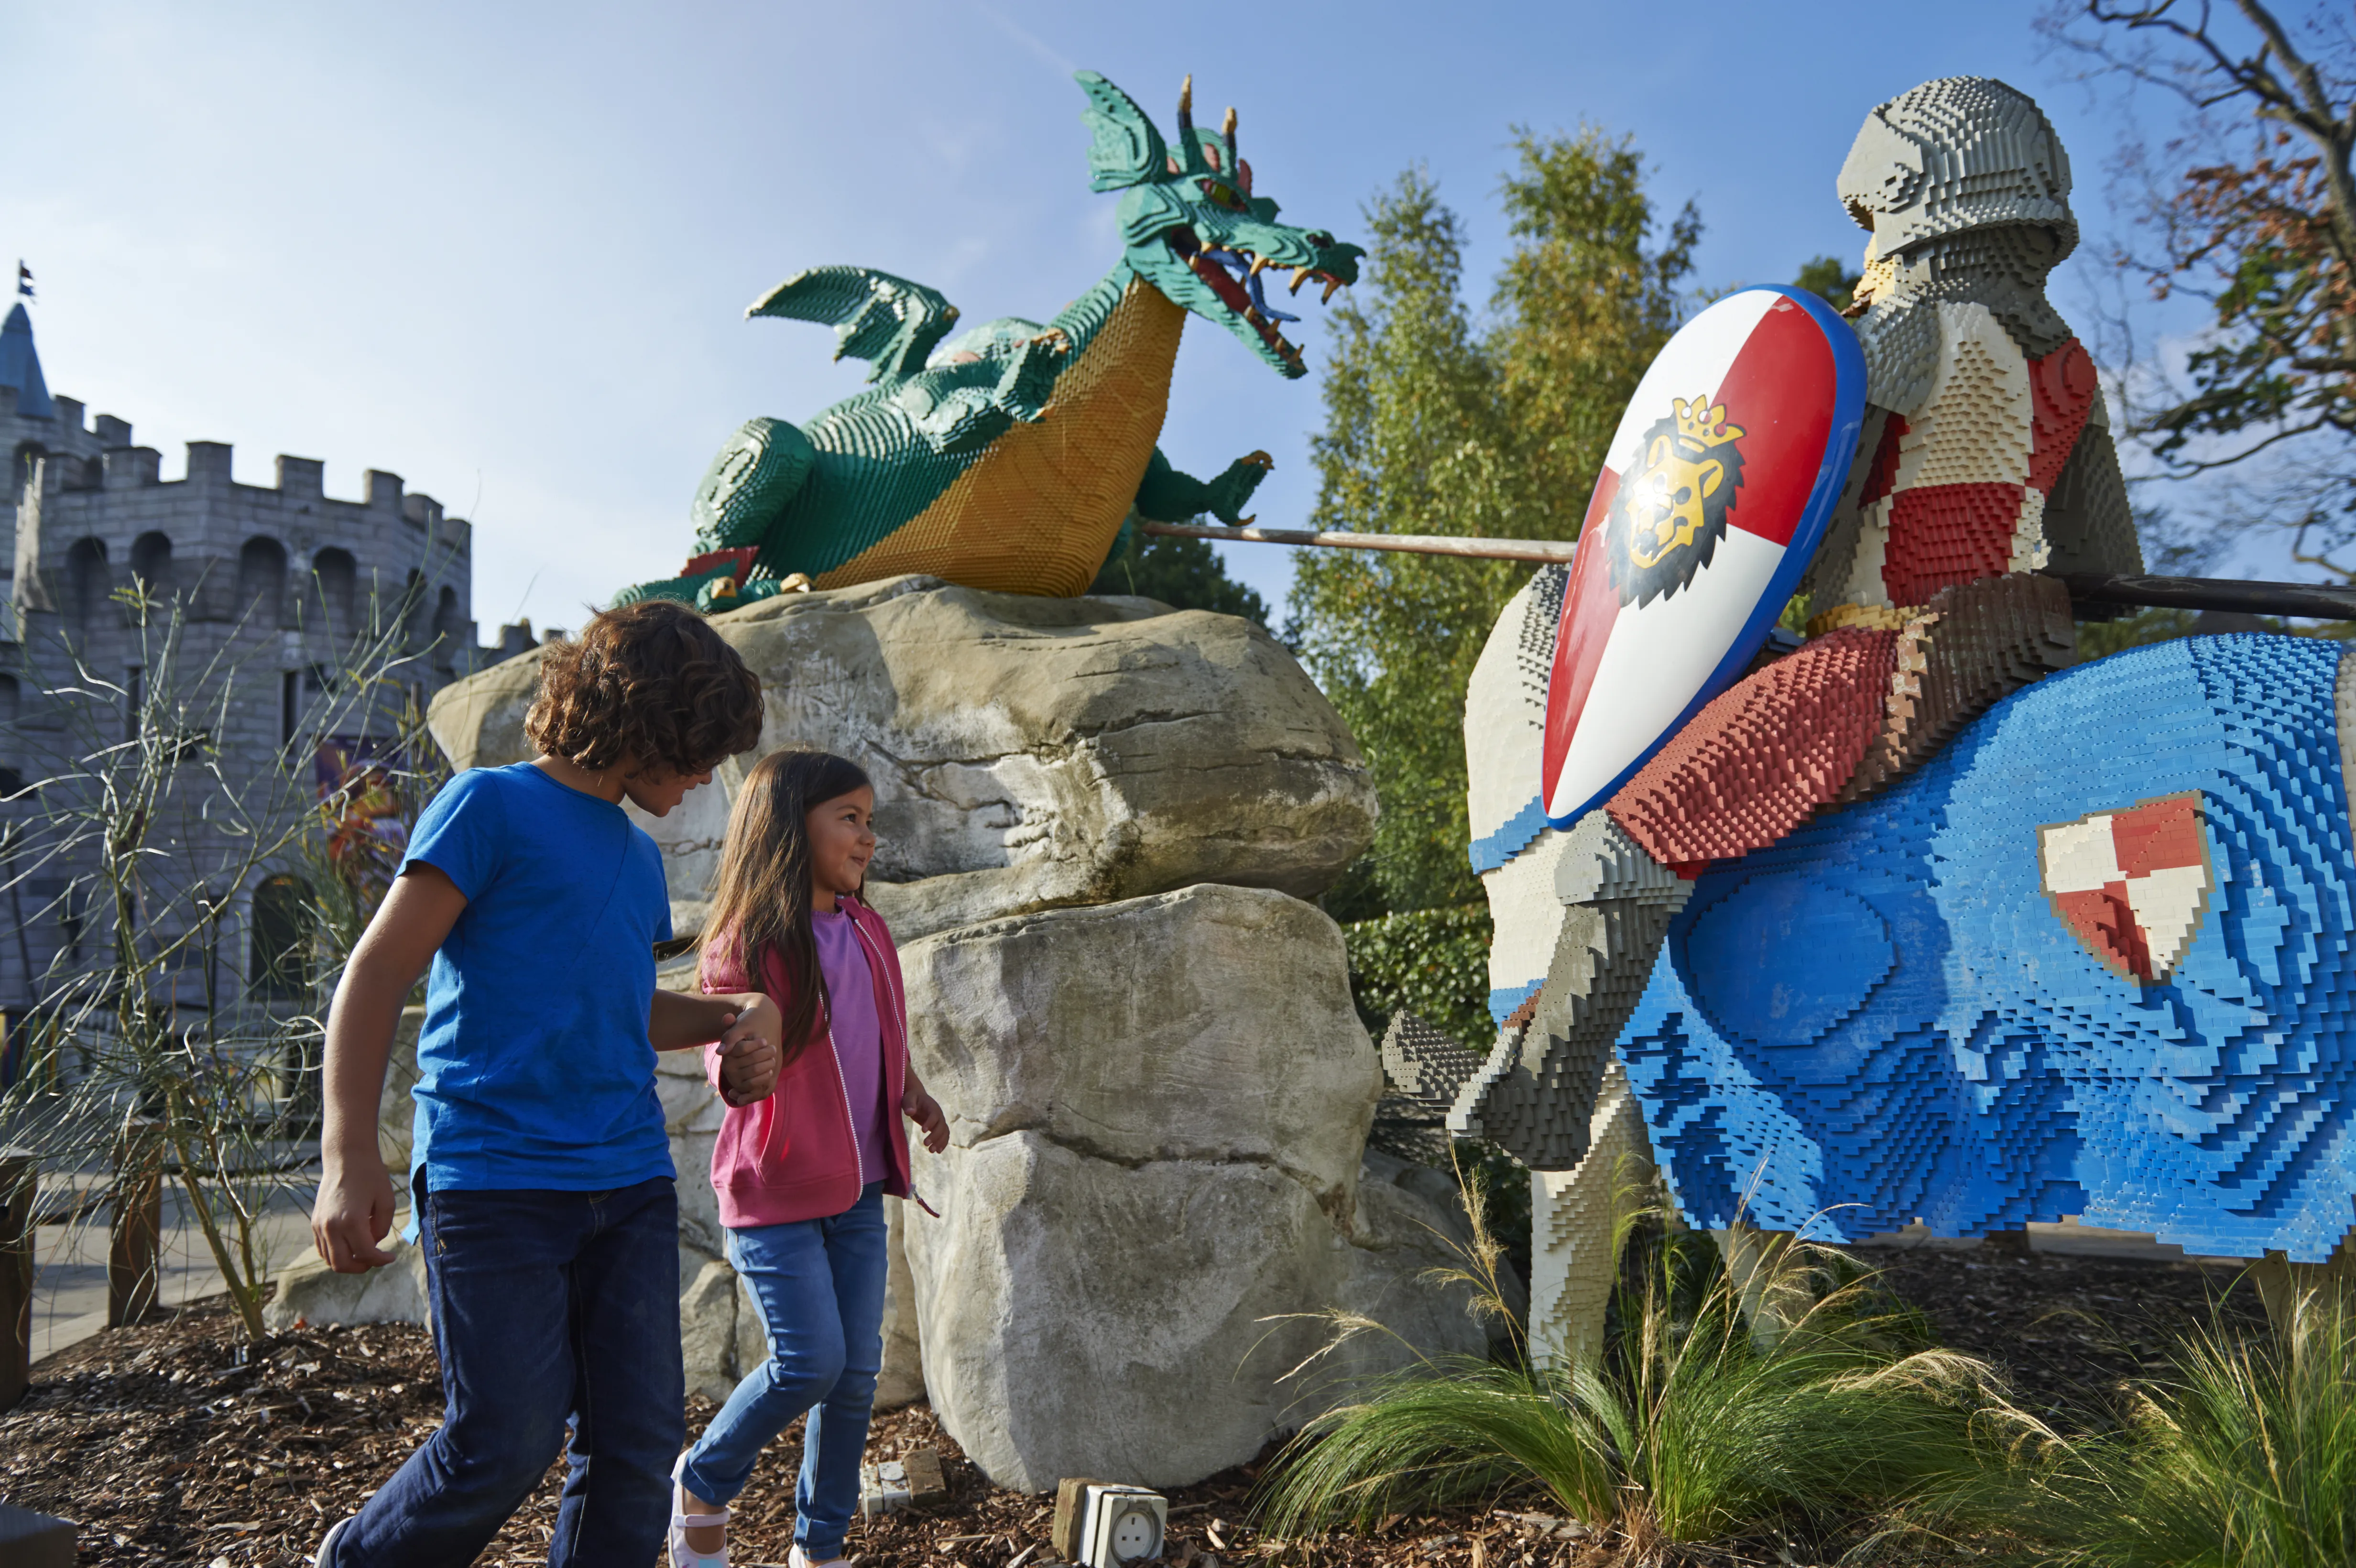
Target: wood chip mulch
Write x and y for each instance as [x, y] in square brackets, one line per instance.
[172, 1443]
[2069, 1333]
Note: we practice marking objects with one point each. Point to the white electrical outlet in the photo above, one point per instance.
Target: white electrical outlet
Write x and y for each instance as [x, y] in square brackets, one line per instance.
[1123, 1526]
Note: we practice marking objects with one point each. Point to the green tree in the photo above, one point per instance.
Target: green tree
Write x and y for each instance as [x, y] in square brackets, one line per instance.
[1186, 574]
[1833, 278]
[2249, 208]
[1438, 423]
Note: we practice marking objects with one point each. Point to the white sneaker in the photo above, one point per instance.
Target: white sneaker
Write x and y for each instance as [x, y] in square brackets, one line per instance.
[797, 1558]
[682, 1555]
[326, 1556]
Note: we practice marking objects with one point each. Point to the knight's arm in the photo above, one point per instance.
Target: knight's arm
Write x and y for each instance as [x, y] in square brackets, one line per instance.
[1167, 496]
[2087, 521]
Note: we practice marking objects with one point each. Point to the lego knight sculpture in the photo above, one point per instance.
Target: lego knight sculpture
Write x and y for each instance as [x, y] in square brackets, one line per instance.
[1011, 457]
[1917, 921]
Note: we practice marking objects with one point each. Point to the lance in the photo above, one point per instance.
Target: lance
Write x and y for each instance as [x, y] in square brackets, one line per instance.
[2310, 600]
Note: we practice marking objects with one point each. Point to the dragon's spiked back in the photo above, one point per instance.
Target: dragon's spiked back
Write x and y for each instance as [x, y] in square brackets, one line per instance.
[1193, 228]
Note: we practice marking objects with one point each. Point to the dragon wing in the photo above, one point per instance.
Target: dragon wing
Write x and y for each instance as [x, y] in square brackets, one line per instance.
[875, 316]
[1125, 149]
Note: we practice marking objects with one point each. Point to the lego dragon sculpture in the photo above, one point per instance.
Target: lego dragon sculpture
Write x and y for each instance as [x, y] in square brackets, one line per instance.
[1011, 457]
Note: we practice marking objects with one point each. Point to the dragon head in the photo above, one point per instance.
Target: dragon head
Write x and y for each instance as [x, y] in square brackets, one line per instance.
[1193, 228]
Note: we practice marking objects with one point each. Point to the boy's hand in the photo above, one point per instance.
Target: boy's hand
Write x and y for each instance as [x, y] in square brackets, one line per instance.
[748, 1050]
[748, 1072]
[354, 1212]
[925, 1111]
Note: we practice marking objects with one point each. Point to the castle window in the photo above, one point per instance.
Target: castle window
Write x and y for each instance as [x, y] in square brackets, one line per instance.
[337, 577]
[281, 966]
[86, 581]
[412, 608]
[261, 582]
[151, 563]
[449, 631]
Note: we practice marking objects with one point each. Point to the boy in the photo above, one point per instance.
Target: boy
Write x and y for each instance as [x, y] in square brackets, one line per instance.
[542, 1172]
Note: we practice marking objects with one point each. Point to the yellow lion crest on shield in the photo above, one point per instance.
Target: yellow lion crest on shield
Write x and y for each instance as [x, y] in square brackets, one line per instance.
[1670, 510]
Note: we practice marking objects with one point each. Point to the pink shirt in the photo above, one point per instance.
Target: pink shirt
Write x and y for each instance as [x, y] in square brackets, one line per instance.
[858, 1034]
[795, 1155]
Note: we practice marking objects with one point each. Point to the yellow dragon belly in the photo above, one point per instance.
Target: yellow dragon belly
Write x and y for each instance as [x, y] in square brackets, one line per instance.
[1037, 513]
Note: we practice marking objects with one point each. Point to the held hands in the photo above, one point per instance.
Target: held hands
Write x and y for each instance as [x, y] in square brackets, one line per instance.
[921, 1108]
[354, 1212]
[748, 1049]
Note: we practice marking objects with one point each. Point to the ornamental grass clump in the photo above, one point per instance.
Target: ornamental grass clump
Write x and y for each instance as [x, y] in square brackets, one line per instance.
[1823, 1410]
[2245, 1458]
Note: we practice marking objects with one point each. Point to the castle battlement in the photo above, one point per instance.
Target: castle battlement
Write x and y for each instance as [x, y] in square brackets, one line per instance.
[273, 585]
[123, 487]
[91, 511]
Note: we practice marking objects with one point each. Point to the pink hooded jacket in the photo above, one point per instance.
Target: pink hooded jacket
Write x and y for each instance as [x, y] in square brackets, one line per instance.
[795, 1155]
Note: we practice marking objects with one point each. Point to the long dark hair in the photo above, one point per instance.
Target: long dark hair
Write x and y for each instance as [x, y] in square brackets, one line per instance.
[761, 901]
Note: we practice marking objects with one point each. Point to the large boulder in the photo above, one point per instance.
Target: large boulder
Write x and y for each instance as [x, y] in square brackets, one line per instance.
[312, 1295]
[1028, 753]
[1159, 1109]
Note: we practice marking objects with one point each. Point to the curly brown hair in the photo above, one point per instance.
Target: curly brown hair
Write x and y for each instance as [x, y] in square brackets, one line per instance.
[649, 683]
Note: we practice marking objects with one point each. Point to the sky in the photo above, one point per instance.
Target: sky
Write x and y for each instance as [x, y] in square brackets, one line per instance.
[505, 252]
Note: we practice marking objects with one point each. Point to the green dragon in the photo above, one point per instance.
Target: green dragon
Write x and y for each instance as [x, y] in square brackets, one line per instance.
[1011, 457]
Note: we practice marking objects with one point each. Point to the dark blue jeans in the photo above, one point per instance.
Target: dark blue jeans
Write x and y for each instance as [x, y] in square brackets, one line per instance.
[820, 1286]
[550, 1310]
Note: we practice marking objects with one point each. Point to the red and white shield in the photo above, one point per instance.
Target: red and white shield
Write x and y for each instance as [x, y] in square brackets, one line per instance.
[2131, 885]
[1713, 496]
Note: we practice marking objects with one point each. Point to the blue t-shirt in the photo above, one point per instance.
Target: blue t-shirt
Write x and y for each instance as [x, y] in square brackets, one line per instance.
[534, 1066]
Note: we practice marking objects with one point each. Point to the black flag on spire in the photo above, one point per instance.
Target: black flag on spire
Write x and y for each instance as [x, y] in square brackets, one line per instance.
[24, 278]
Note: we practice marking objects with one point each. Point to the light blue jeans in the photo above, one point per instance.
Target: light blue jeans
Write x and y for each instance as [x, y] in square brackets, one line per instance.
[819, 1284]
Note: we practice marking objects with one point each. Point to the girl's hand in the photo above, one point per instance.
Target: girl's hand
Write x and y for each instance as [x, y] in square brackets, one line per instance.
[925, 1111]
[748, 1050]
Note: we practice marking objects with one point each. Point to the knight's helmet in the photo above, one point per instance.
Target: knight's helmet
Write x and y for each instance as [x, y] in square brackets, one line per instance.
[1957, 153]
[1966, 188]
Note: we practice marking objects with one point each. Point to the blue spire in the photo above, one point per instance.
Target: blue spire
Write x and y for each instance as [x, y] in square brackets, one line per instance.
[20, 367]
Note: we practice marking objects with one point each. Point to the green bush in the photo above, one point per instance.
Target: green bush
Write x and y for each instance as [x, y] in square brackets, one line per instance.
[2245, 1458]
[1690, 1428]
[1431, 962]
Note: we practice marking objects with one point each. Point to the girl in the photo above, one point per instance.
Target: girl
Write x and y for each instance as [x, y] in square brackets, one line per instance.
[801, 1175]
[540, 1171]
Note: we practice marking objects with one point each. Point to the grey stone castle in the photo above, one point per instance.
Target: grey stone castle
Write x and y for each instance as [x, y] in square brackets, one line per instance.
[274, 580]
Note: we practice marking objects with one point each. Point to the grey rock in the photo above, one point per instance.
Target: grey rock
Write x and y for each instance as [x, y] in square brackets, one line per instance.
[1411, 1222]
[901, 1380]
[1158, 1112]
[310, 1292]
[707, 1331]
[1029, 753]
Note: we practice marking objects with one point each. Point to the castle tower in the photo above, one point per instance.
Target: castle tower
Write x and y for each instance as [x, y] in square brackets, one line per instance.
[272, 584]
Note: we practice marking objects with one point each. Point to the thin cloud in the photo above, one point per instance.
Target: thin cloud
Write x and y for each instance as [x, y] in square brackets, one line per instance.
[1028, 39]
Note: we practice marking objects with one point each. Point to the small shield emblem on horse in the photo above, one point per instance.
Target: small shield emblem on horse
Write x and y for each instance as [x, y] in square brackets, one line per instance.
[2131, 885]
